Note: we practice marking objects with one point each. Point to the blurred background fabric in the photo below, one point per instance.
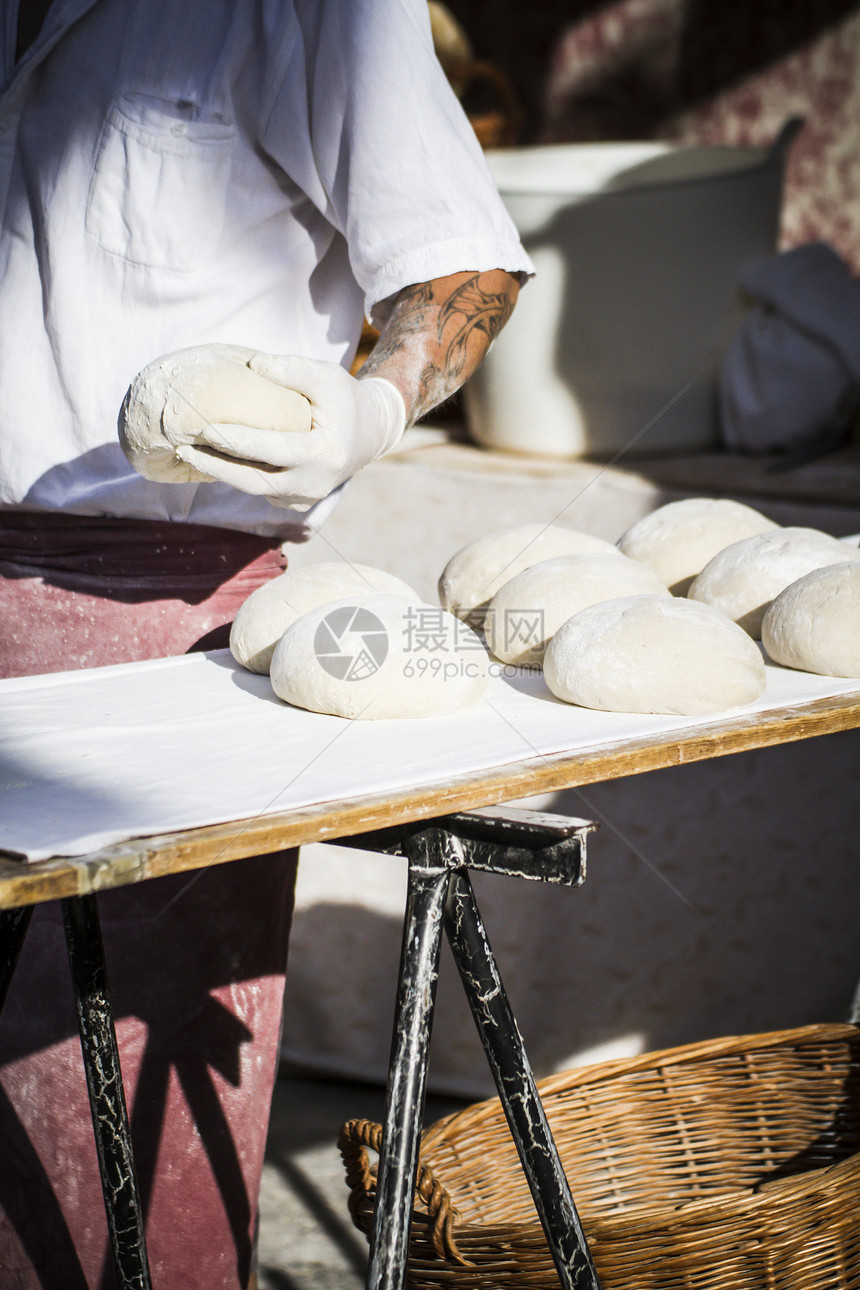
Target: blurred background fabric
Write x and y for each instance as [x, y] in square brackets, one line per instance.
[694, 71]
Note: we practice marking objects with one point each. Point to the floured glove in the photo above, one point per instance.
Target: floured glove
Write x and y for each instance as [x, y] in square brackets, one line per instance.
[194, 396]
[352, 422]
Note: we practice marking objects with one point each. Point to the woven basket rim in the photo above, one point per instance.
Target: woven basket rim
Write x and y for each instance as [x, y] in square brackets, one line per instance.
[684, 1054]
[679, 1055]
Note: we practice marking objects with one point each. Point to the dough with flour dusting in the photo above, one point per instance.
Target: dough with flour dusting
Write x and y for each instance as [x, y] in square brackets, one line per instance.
[678, 540]
[529, 609]
[654, 654]
[744, 578]
[174, 397]
[814, 625]
[473, 576]
[269, 611]
[372, 657]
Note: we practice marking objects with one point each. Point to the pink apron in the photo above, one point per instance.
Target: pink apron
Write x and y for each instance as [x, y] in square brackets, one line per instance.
[196, 962]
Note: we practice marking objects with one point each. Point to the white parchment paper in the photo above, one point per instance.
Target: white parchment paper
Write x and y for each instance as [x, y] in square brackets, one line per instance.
[93, 757]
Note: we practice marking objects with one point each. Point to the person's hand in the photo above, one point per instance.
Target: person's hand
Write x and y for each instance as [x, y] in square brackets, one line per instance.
[352, 423]
[179, 398]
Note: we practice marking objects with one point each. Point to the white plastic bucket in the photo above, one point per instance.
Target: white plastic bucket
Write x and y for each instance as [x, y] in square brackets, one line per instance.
[638, 247]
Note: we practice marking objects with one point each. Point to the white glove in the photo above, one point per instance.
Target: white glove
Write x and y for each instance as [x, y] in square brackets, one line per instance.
[352, 423]
[184, 396]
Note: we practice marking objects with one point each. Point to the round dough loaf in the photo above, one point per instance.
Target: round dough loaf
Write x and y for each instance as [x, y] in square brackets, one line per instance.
[742, 580]
[374, 656]
[529, 609]
[678, 540]
[472, 577]
[269, 611]
[654, 654]
[814, 625]
[174, 397]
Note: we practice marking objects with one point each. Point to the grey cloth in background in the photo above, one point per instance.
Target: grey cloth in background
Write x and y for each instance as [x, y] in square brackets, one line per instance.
[790, 381]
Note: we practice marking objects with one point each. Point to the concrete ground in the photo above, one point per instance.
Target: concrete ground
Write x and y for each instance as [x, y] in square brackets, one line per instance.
[307, 1240]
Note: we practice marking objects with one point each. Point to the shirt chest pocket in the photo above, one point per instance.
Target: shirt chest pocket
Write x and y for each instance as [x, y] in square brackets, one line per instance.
[159, 184]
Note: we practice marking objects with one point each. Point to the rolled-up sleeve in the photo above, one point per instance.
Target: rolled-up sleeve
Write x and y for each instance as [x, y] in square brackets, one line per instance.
[365, 124]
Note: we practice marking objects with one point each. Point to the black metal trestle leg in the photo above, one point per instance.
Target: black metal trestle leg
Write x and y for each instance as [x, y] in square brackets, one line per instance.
[506, 1054]
[518, 844]
[13, 929]
[404, 1098]
[107, 1099]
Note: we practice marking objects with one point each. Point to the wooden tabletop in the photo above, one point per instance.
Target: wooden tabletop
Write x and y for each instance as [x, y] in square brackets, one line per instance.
[137, 859]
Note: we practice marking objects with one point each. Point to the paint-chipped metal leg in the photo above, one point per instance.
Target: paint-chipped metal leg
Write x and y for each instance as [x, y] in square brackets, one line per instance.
[404, 1099]
[515, 1082]
[13, 929]
[518, 844]
[107, 1099]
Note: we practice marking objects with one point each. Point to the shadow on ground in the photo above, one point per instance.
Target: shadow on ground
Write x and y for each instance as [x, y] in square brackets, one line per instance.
[307, 1240]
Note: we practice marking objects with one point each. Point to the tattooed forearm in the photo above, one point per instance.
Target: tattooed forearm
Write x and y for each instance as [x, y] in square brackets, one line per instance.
[413, 311]
[438, 333]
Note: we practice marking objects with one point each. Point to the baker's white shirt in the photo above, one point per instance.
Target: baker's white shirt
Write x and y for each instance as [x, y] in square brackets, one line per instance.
[261, 172]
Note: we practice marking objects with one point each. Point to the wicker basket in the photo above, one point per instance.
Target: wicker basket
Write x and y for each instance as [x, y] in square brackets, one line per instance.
[729, 1164]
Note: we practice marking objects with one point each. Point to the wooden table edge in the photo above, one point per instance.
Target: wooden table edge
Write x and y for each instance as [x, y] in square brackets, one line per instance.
[137, 859]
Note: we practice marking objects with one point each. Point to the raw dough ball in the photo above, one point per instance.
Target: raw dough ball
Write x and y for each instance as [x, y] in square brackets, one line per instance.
[743, 580]
[472, 577]
[268, 611]
[678, 540]
[370, 657]
[814, 625]
[654, 654]
[529, 609]
[173, 398]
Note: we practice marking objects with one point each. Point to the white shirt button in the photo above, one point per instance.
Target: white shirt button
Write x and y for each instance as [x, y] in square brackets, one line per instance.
[179, 129]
